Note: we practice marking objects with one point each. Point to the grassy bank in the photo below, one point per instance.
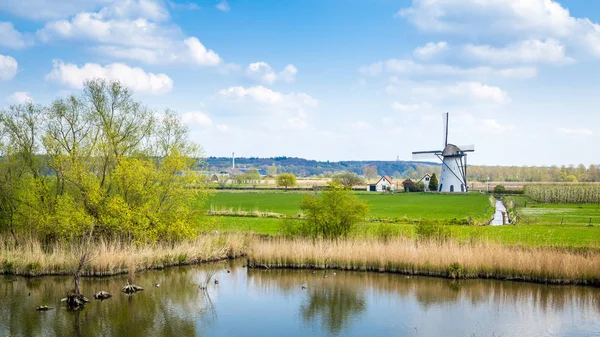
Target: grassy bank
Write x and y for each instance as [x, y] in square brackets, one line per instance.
[446, 259]
[110, 258]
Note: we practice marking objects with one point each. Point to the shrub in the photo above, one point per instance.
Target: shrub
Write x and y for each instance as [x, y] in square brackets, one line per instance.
[429, 230]
[455, 270]
[499, 189]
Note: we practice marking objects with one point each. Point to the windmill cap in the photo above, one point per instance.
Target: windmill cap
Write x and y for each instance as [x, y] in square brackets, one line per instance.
[451, 150]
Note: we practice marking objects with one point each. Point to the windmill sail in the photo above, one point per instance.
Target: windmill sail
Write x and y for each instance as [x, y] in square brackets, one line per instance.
[445, 118]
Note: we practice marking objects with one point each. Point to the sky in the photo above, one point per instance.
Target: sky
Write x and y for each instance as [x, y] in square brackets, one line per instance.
[329, 80]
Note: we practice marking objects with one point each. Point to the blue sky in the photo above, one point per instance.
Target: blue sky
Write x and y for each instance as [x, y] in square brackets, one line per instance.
[329, 80]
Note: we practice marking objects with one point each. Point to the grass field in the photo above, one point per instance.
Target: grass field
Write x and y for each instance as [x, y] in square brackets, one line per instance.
[535, 213]
[382, 206]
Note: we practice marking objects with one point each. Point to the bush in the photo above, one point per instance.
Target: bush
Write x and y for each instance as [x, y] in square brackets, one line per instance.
[429, 230]
[499, 189]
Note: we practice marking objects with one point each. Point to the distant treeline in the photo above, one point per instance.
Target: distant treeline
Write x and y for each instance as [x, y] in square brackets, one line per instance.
[313, 168]
[406, 169]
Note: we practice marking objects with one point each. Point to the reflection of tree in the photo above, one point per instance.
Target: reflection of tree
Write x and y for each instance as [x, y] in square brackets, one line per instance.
[334, 305]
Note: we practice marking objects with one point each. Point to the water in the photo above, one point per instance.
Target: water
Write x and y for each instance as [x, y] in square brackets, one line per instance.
[499, 220]
[273, 303]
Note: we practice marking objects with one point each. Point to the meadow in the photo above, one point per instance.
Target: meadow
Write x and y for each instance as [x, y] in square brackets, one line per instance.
[542, 225]
[397, 207]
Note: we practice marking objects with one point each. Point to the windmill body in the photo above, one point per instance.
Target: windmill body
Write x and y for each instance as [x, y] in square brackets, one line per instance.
[454, 164]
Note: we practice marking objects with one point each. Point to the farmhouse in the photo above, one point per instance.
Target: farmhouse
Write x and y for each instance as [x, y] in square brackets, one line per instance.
[382, 185]
[425, 180]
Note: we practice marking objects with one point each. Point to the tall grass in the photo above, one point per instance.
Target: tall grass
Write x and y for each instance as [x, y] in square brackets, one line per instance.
[565, 194]
[30, 258]
[436, 258]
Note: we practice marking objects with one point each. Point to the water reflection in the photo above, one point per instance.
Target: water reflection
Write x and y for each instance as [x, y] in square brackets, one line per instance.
[273, 302]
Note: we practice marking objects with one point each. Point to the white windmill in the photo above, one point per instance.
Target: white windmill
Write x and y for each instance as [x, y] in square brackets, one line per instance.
[454, 163]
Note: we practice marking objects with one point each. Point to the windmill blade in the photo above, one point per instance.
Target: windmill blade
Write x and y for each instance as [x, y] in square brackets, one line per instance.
[445, 121]
[424, 155]
[467, 148]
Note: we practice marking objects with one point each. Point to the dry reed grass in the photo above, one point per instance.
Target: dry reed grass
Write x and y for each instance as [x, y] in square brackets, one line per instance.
[448, 259]
[110, 258]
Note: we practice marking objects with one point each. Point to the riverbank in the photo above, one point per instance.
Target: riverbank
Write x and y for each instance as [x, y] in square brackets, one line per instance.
[111, 258]
[444, 259]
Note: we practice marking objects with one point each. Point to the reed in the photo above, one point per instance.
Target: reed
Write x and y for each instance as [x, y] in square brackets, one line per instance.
[31, 258]
[434, 258]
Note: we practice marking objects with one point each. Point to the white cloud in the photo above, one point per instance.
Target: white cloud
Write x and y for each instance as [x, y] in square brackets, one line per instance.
[223, 6]
[19, 97]
[200, 54]
[11, 38]
[222, 127]
[575, 132]
[197, 118]
[528, 51]
[492, 126]
[49, 9]
[263, 72]
[135, 78]
[361, 126]
[473, 91]
[8, 67]
[430, 50]
[132, 30]
[409, 67]
[410, 107]
[268, 97]
[533, 19]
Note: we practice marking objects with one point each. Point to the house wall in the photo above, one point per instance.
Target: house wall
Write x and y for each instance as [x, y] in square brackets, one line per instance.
[383, 184]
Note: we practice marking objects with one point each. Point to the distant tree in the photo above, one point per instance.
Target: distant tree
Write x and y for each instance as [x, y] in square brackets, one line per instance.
[370, 172]
[252, 175]
[433, 183]
[396, 175]
[272, 171]
[348, 179]
[333, 213]
[408, 185]
[499, 189]
[286, 180]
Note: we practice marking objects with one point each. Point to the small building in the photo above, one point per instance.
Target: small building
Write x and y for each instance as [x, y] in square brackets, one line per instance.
[382, 185]
[425, 180]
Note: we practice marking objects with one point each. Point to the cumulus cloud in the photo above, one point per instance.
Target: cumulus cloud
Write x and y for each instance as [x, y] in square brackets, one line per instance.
[268, 97]
[291, 108]
[222, 127]
[49, 9]
[135, 30]
[528, 51]
[8, 67]
[430, 50]
[534, 19]
[575, 132]
[19, 97]
[197, 118]
[223, 6]
[409, 67]
[263, 72]
[135, 78]
[11, 38]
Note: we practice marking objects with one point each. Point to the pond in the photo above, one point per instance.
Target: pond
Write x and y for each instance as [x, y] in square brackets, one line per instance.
[249, 302]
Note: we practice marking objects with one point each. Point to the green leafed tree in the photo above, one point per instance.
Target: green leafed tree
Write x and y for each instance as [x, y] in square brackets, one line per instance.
[333, 213]
[98, 163]
[286, 180]
[348, 179]
[433, 183]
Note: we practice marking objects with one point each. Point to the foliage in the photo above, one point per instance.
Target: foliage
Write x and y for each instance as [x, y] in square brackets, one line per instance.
[100, 163]
[499, 189]
[348, 179]
[370, 172]
[286, 180]
[411, 186]
[433, 183]
[333, 213]
[272, 171]
[566, 194]
[432, 230]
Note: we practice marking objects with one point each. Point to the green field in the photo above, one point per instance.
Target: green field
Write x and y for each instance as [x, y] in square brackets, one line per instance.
[535, 213]
[382, 206]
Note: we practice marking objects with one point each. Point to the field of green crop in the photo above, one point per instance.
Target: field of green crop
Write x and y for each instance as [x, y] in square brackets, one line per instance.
[535, 213]
[398, 206]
